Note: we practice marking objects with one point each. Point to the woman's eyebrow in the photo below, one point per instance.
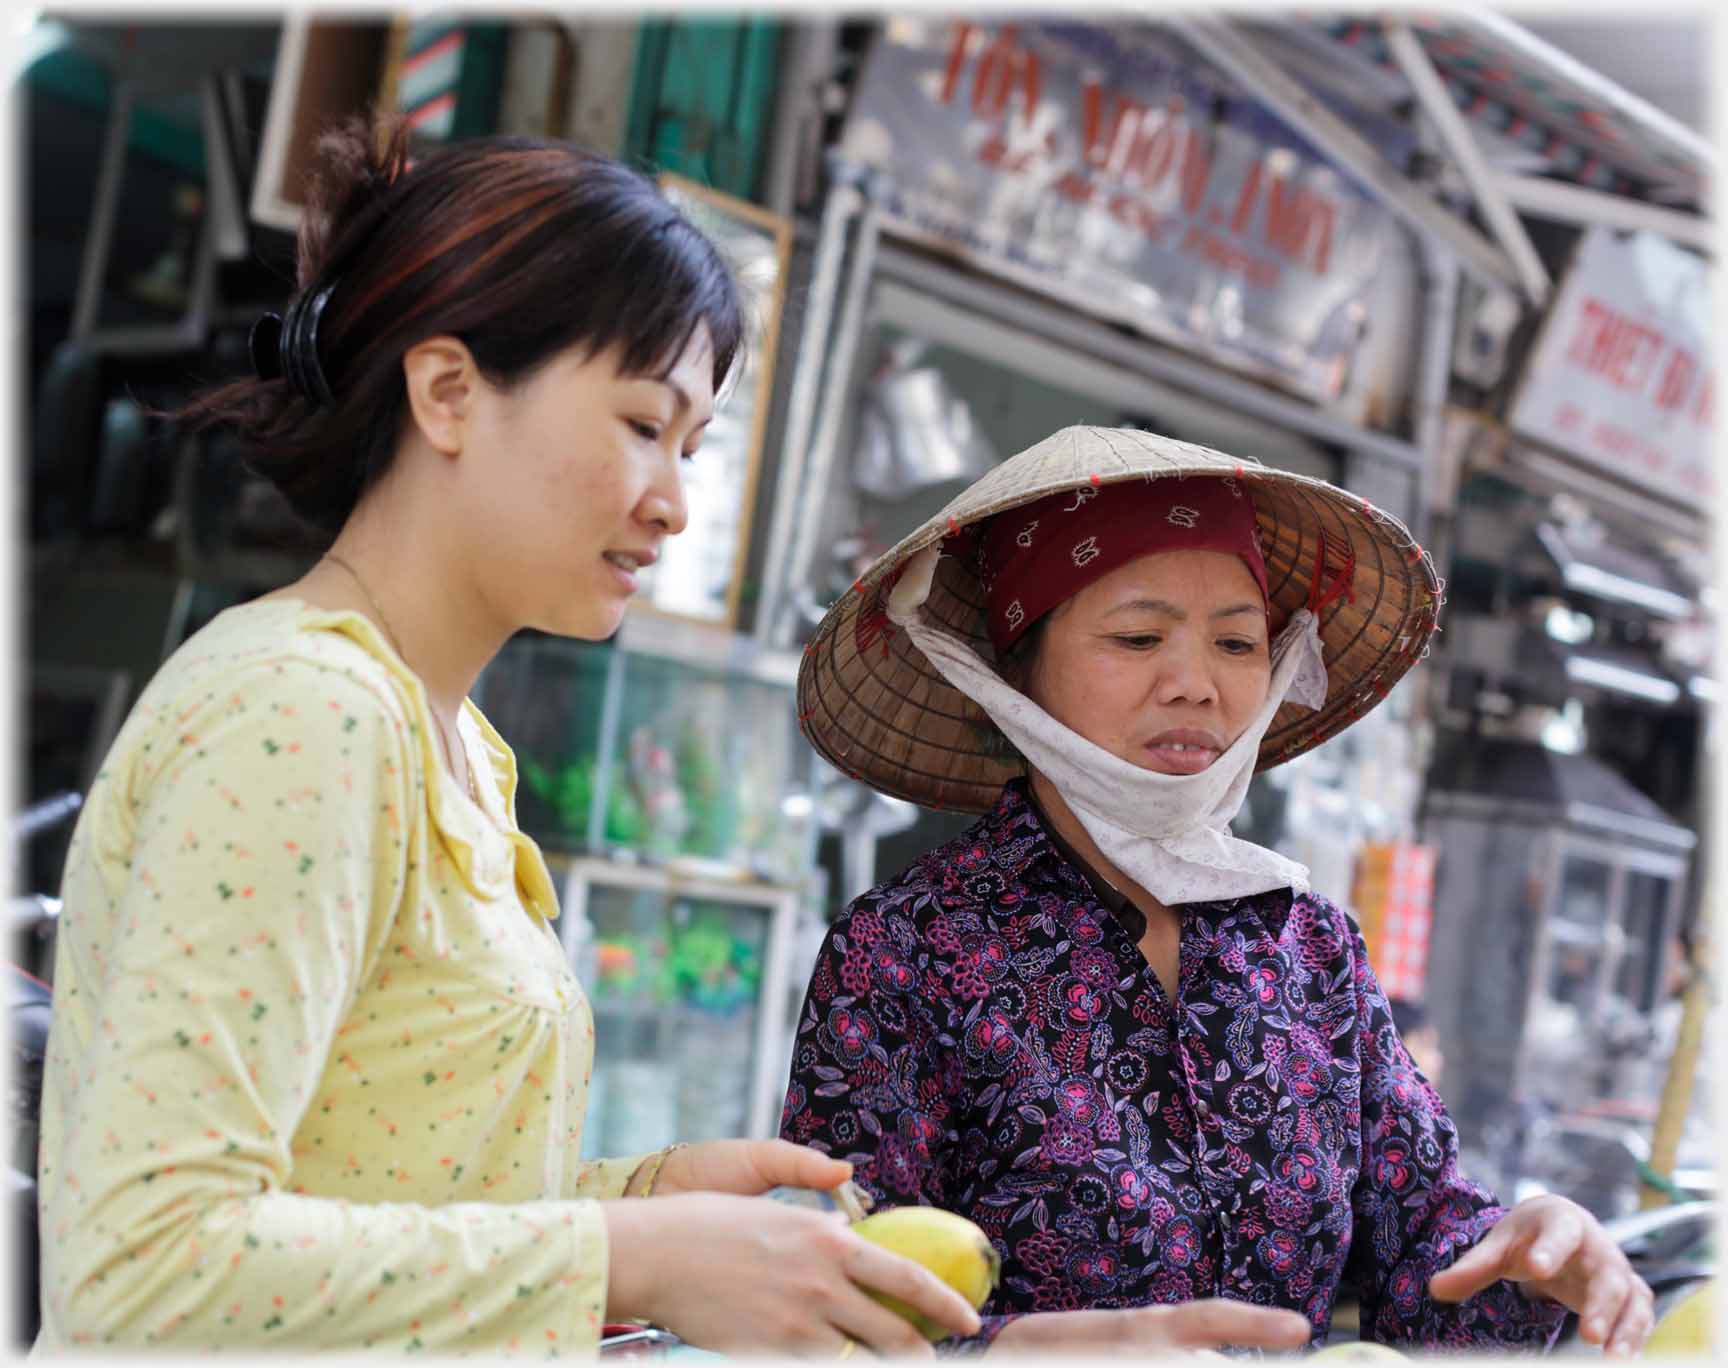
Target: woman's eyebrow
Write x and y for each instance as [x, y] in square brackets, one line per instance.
[1146, 605]
[680, 397]
[1171, 610]
[682, 403]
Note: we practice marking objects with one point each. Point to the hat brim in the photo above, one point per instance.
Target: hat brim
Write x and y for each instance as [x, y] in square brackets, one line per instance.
[876, 709]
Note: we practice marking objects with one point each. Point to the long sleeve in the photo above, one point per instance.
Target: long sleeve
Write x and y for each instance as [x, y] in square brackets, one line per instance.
[868, 1063]
[267, 864]
[1414, 1211]
[606, 1179]
[876, 1066]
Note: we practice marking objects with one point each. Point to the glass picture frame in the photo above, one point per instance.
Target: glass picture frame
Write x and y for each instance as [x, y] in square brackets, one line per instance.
[700, 572]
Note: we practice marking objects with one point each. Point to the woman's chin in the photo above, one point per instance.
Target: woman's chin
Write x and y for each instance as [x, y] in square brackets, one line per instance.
[595, 622]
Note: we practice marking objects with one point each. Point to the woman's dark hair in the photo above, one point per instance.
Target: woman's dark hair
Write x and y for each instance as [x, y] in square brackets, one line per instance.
[1015, 665]
[520, 247]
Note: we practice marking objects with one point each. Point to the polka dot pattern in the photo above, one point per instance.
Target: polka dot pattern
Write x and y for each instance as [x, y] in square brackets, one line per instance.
[318, 1066]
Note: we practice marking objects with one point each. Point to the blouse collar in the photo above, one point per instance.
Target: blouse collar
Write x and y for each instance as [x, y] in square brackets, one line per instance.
[489, 856]
[1053, 859]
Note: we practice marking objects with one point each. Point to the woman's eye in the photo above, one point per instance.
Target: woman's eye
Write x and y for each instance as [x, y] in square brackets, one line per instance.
[1137, 643]
[648, 432]
[1240, 646]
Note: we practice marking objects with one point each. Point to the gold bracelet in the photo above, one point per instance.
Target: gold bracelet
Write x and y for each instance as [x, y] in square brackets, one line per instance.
[655, 1165]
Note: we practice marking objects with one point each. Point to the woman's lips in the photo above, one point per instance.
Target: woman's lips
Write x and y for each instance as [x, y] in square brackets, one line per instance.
[1182, 750]
[626, 565]
[626, 579]
[1180, 759]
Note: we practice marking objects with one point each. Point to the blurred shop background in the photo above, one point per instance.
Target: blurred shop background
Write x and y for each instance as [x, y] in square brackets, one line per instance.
[1457, 264]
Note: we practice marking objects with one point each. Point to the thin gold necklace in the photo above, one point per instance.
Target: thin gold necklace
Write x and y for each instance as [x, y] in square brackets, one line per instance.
[384, 622]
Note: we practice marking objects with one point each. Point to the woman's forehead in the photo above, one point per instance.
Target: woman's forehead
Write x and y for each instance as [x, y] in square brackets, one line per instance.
[1172, 579]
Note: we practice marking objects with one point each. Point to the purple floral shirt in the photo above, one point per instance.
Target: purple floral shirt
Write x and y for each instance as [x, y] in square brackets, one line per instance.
[983, 1034]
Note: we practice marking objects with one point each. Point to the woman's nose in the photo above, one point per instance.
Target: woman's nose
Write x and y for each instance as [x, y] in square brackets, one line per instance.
[1183, 676]
[663, 506]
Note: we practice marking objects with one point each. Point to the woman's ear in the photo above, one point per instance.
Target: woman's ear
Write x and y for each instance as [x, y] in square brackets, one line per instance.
[1020, 665]
[443, 381]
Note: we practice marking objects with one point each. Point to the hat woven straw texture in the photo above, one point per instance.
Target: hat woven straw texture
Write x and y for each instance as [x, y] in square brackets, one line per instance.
[875, 708]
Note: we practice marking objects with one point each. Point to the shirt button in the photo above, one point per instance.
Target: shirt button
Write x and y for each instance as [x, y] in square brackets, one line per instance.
[1203, 1107]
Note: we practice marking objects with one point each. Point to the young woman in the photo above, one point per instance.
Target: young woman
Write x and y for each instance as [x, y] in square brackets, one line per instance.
[1140, 1052]
[318, 1065]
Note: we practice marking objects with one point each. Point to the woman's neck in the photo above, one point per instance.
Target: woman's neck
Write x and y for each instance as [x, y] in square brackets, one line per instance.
[1070, 828]
[405, 572]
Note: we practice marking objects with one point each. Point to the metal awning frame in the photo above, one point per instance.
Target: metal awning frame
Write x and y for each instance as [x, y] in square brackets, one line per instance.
[1238, 55]
[1455, 135]
[1508, 259]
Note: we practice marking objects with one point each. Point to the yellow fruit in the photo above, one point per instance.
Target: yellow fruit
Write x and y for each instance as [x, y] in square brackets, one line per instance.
[950, 1246]
[1688, 1330]
[1358, 1351]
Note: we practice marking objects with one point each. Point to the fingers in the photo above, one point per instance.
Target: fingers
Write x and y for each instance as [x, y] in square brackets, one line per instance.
[876, 1329]
[1557, 1240]
[1606, 1291]
[1615, 1307]
[1065, 1332]
[1531, 1243]
[882, 1270]
[1477, 1267]
[1217, 1322]
[1637, 1319]
[779, 1163]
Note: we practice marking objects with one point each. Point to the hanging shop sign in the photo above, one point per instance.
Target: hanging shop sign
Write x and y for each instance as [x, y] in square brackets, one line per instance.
[1118, 173]
[1621, 375]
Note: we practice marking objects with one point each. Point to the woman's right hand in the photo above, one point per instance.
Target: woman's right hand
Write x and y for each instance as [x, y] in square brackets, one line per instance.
[746, 1275]
[1184, 1327]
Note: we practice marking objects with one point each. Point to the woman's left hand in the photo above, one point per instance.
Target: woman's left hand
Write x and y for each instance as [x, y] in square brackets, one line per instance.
[1554, 1248]
[748, 1168]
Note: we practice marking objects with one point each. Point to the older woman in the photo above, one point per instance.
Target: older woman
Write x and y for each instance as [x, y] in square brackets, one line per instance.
[1142, 1054]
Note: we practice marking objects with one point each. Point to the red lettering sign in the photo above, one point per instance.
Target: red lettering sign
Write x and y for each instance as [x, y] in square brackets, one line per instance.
[1196, 171]
[1004, 67]
[1128, 210]
[1677, 379]
[1294, 217]
[1227, 257]
[1579, 351]
[1141, 149]
[1245, 197]
[1621, 376]
[1617, 348]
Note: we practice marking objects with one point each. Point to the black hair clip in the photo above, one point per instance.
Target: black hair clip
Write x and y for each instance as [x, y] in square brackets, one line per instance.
[286, 347]
[264, 343]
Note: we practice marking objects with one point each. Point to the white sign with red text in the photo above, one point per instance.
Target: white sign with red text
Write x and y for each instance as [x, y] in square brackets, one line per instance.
[1112, 169]
[1622, 374]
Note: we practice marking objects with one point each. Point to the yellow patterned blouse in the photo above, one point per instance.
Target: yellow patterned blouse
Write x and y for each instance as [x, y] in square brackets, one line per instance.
[318, 1065]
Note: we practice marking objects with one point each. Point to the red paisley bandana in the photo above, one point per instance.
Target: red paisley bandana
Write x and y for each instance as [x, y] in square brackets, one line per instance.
[1039, 555]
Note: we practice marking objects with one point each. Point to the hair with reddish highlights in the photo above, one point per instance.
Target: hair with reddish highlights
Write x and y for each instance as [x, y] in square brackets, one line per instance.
[519, 247]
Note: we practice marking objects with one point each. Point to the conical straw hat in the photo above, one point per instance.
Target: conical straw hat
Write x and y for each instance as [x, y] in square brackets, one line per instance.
[879, 712]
